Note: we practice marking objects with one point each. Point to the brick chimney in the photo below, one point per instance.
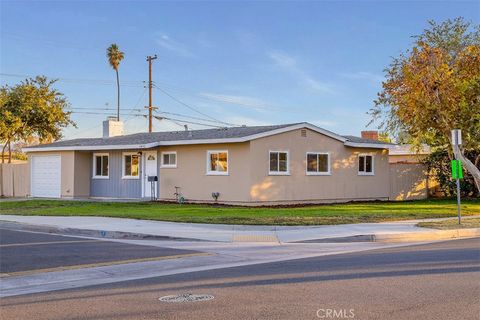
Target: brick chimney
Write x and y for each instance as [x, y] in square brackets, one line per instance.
[371, 135]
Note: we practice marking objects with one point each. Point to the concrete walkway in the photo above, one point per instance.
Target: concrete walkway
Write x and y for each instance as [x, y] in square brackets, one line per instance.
[216, 232]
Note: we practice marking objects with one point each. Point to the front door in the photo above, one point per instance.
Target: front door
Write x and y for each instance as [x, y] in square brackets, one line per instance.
[151, 170]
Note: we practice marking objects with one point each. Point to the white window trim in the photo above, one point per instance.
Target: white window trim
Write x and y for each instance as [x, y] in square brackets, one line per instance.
[163, 165]
[363, 173]
[315, 173]
[94, 166]
[217, 173]
[279, 173]
[123, 165]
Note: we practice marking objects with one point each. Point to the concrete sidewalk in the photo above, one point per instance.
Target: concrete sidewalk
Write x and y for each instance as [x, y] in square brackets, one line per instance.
[145, 229]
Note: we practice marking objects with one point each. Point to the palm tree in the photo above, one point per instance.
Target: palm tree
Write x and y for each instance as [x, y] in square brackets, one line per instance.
[114, 56]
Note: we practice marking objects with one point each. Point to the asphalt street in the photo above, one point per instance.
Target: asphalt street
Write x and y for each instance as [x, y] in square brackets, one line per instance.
[431, 281]
[22, 251]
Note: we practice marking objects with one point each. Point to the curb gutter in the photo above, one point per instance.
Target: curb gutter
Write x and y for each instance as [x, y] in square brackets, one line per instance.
[430, 235]
[427, 236]
[88, 233]
[402, 237]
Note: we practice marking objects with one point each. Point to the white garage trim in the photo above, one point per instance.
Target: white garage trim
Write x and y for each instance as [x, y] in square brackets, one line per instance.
[45, 176]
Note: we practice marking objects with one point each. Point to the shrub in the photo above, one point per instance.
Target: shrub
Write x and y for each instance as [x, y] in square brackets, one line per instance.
[439, 163]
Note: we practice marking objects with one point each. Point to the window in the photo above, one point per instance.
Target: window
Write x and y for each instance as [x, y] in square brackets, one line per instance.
[130, 165]
[278, 163]
[100, 165]
[318, 163]
[365, 165]
[169, 159]
[217, 162]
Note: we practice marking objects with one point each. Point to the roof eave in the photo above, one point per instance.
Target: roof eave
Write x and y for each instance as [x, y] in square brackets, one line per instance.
[408, 153]
[366, 145]
[92, 148]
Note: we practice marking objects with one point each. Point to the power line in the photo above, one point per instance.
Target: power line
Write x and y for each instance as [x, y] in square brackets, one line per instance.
[185, 121]
[76, 134]
[53, 43]
[131, 116]
[126, 83]
[141, 83]
[65, 44]
[135, 107]
[141, 97]
[104, 113]
[178, 124]
[151, 85]
[190, 117]
[225, 99]
[192, 108]
[100, 108]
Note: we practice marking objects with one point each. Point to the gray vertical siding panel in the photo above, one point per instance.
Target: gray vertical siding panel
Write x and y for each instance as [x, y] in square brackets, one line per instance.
[115, 186]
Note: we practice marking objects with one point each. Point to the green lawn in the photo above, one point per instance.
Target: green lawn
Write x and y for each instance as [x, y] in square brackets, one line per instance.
[451, 224]
[307, 215]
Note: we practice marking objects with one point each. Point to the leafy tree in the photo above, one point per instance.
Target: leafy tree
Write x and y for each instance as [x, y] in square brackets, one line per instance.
[114, 56]
[434, 88]
[438, 163]
[30, 110]
[384, 137]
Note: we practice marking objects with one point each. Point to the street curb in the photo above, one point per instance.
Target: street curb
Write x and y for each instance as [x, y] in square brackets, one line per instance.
[356, 238]
[6, 275]
[88, 232]
[402, 237]
[428, 236]
[390, 237]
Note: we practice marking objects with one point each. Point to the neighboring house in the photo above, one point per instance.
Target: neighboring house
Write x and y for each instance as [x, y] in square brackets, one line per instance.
[405, 153]
[291, 163]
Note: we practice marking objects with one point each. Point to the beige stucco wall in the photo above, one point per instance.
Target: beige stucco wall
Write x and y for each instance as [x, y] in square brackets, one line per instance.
[409, 181]
[249, 180]
[68, 174]
[191, 173]
[83, 173]
[344, 183]
[67, 180]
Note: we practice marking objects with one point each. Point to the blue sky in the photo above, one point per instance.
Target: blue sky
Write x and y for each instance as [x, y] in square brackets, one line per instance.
[239, 62]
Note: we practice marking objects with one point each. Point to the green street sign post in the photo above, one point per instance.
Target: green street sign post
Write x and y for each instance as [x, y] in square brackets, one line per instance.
[457, 172]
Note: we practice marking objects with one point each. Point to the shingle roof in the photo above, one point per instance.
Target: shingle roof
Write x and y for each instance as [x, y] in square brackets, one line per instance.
[362, 140]
[146, 138]
[219, 135]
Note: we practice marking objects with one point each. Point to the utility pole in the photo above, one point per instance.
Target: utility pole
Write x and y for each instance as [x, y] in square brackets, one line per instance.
[150, 86]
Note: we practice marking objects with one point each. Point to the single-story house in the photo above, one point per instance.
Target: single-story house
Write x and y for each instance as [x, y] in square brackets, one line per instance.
[289, 163]
[405, 154]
